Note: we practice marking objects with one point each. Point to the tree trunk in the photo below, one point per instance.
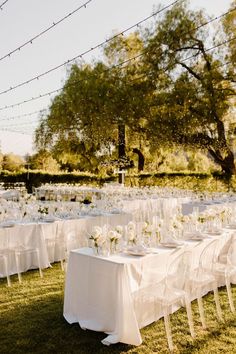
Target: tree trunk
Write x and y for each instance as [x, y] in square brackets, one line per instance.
[141, 159]
[121, 146]
[227, 163]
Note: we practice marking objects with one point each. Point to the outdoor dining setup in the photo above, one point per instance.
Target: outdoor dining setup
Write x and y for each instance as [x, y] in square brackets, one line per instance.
[130, 255]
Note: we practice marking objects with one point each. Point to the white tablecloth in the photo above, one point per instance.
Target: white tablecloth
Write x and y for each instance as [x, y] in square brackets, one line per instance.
[35, 235]
[98, 291]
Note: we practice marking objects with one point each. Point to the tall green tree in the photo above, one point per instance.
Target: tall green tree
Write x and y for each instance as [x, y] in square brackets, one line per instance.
[84, 119]
[193, 90]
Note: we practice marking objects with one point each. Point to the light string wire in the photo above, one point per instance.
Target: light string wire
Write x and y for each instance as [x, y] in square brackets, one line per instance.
[138, 78]
[2, 4]
[37, 77]
[23, 115]
[31, 40]
[114, 66]
[21, 124]
[15, 131]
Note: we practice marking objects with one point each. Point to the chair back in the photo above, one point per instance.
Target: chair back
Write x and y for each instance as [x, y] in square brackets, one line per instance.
[178, 269]
[231, 255]
[208, 255]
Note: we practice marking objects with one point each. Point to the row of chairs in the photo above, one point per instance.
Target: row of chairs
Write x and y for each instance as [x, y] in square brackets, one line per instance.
[181, 284]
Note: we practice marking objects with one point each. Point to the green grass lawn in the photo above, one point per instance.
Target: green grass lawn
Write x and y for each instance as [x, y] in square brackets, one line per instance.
[31, 321]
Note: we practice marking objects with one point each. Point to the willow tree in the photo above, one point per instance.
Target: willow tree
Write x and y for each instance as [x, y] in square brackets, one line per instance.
[96, 100]
[124, 54]
[77, 127]
[193, 83]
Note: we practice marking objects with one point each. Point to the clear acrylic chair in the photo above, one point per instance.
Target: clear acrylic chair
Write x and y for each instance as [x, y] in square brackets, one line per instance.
[231, 271]
[4, 262]
[227, 270]
[26, 253]
[202, 280]
[66, 243]
[171, 292]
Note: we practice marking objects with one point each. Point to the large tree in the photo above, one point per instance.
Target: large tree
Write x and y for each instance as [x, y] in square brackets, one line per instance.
[193, 84]
[177, 90]
[87, 118]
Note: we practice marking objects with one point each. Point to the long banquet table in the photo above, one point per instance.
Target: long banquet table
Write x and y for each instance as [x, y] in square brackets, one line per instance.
[99, 291]
[36, 235]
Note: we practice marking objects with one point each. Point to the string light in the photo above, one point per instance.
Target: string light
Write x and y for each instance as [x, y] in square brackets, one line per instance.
[71, 128]
[22, 115]
[117, 65]
[80, 56]
[15, 131]
[20, 124]
[31, 40]
[4, 2]
[91, 49]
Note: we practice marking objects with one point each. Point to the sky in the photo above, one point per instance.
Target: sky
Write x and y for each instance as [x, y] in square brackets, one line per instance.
[91, 25]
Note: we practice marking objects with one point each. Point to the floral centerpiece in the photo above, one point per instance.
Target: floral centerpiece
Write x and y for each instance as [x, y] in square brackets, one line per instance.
[114, 238]
[176, 227]
[147, 232]
[131, 235]
[43, 210]
[98, 239]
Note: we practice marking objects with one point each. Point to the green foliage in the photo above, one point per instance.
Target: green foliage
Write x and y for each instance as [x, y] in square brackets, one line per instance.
[12, 162]
[175, 92]
[197, 182]
[194, 181]
[44, 161]
[190, 105]
[37, 178]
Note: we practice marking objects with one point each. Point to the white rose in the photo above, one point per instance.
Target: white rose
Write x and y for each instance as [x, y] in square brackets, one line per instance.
[119, 229]
[130, 226]
[101, 240]
[131, 235]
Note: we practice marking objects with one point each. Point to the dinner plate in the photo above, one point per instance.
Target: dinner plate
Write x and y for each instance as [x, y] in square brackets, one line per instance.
[136, 253]
[8, 225]
[169, 244]
[231, 227]
[214, 232]
[195, 238]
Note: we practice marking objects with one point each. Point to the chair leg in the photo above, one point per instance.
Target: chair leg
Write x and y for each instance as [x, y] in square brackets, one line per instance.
[62, 265]
[190, 317]
[168, 330]
[18, 267]
[201, 311]
[39, 265]
[5, 261]
[230, 297]
[217, 302]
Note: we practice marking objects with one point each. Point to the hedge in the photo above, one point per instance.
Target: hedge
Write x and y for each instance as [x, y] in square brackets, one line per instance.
[184, 180]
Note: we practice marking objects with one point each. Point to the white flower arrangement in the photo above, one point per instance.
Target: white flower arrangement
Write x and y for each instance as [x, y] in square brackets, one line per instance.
[43, 210]
[131, 226]
[147, 229]
[97, 237]
[131, 237]
[119, 229]
[176, 224]
[114, 236]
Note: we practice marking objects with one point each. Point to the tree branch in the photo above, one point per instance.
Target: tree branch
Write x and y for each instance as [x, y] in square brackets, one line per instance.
[198, 77]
